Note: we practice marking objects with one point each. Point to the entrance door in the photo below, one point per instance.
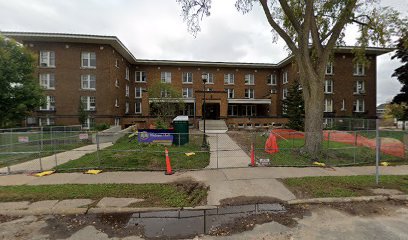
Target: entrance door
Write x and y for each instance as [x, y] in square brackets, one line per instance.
[212, 111]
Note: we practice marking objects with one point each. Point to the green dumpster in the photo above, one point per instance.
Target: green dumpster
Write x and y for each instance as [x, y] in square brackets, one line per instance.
[181, 130]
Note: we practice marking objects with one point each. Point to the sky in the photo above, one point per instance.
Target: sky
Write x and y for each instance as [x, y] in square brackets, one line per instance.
[155, 30]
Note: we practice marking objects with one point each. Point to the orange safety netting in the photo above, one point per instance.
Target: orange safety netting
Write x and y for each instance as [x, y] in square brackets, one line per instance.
[271, 145]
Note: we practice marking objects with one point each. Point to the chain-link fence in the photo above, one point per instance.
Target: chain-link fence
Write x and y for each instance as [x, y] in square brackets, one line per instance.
[33, 150]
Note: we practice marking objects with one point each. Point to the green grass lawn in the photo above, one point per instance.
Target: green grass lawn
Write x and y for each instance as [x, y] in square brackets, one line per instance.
[399, 135]
[155, 195]
[344, 186]
[133, 155]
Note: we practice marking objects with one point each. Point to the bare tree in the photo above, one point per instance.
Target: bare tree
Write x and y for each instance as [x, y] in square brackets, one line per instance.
[311, 31]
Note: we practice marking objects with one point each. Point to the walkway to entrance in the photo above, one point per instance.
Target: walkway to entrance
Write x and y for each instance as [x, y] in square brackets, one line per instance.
[225, 152]
[213, 126]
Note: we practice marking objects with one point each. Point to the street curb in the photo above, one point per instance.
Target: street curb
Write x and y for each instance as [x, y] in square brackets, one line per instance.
[348, 199]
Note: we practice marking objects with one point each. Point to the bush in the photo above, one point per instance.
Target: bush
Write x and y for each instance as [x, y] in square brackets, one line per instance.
[101, 127]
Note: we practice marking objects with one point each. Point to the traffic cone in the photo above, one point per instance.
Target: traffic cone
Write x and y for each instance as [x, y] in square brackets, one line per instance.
[252, 164]
[168, 165]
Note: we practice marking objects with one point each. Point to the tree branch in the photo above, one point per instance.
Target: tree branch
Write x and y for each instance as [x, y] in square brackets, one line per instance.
[317, 42]
[290, 14]
[277, 28]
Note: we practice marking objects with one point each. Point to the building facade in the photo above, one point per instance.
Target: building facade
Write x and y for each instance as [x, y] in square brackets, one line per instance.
[101, 73]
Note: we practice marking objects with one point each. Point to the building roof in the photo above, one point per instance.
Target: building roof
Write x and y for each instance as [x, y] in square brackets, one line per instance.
[121, 48]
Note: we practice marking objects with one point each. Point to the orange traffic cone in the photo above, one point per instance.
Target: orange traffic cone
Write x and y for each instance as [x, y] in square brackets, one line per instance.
[252, 164]
[168, 165]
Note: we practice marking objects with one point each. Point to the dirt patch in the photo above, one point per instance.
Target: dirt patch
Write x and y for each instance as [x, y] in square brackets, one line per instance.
[4, 218]
[243, 200]
[196, 191]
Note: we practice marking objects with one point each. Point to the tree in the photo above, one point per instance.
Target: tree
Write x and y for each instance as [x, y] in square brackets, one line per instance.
[397, 111]
[82, 113]
[294, 107]
[402, 72]
[311, 31]
[166, 103]
[20, 93]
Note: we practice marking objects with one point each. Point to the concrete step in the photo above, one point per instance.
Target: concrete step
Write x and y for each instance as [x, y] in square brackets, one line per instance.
[213, 126]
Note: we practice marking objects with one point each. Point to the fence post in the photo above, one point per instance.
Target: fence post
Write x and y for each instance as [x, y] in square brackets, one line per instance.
[41, 146]
[216, 148]
[11, 140]
[97, 150]
[179, 139]
[53, 149]
[355, 146]
[377, 151]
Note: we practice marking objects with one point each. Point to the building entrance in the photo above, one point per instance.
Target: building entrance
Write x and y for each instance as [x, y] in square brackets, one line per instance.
[212, 111]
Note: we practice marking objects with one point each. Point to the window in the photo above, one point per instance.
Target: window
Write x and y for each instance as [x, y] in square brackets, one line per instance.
[210, 78]
[187, 77]
[343, 105]
[116, 103]
[127, 73]
[126, 107]
[117, 83]
[88, 59]
[232, 110]
[284, 93]
[285, 77]
[88, 82]
[140, 76]
[329, 68]
[165, 77]
[328, 105]
[249, 93]
[138, 107]
[117, 63]
[359, 87]
[230, 92]
[117, 121]
[138, 92]
[187, 92]
[89, 123]
[46, 121]
[127, 91]
[328, 86]
[188, 110]
[47, 59]
[164, 93]
[229, 78]
[359, 69]
[249, 79]
[49, 105]
[47, 80]
[89, 103]
[328, 123]
[358, 105]
[272, 79]
[249, 110]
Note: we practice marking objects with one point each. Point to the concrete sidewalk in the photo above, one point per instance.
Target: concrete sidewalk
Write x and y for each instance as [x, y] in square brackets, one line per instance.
[224, 183]
[225, 152]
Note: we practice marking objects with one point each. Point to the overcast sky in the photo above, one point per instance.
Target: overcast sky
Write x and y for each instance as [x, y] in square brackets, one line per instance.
[155, 30]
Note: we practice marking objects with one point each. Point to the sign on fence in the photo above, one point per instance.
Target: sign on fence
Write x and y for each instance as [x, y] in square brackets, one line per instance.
[23, 139]
[155, 136]
[83, 136]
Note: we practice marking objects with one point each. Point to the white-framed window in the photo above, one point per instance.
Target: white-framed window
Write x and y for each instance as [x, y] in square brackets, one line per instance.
[249, 79]
[187, 77]
[49, 105]
[188, 109]
[138, 92]
[328, 86]
[359, 87]
[230, 92]
[165, 77]
[117, 83]
[164, 93]
[116, 103]
[88, 82]
[47, 80]
[359, 69]
[210, 78]
[284, 93]
[329, 68]
[343, 105]
[359, 105]
[232, 110]
[117, 121]
[116, 63]
[272, 79]
[138, 107]
[328, 105]
[249, 110]
[249, 93]
[127, 73]
[89, 123]
[328, 123]
[88, 59]
[89, 103]
[126, 107]
[127, 91]
[229, 78]
[285, 77]
[140, 76]
[187, 92]
[46, 121]
[47, 59]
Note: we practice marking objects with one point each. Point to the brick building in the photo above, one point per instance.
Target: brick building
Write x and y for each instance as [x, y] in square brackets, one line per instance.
[102, 73]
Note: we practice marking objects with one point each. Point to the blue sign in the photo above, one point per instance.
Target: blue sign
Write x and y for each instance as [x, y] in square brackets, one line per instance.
[155, 136]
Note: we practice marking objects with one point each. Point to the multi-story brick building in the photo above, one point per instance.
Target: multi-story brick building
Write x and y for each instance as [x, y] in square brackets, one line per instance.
[102, 73]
